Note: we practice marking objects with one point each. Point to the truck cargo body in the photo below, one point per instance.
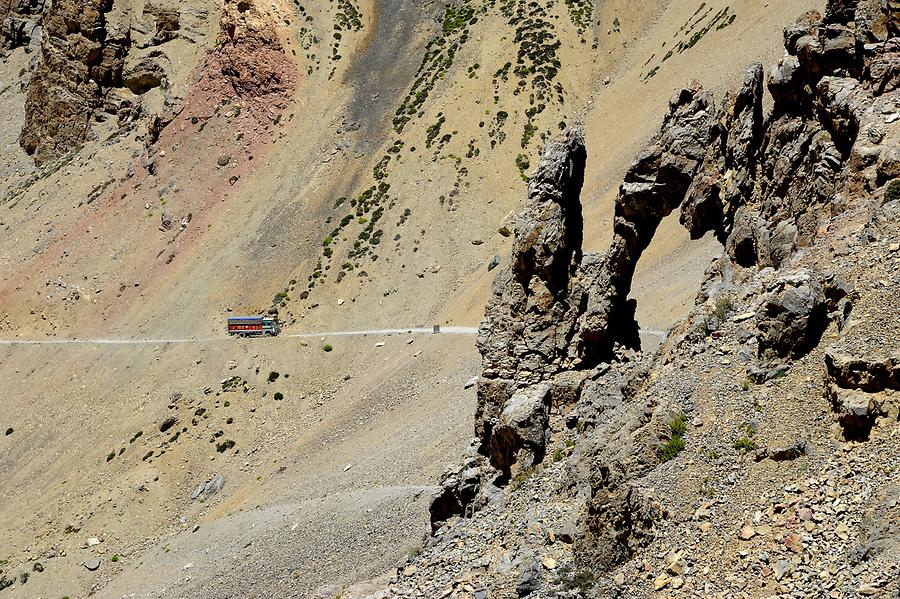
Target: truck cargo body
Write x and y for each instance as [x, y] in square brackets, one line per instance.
[252, 326]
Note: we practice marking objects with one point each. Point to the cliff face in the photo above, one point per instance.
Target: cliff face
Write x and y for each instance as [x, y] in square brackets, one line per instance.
[82, 55]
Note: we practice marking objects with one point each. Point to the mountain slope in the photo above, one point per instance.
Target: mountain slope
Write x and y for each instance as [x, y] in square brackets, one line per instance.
[235, 159]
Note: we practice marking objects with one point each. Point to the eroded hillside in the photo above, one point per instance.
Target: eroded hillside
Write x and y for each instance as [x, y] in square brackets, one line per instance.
[345, 164]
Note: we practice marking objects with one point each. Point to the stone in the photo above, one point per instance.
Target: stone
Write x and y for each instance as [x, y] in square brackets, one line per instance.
[520, 436]
[792, 317]
[549, 563]
[494, 263]
[868, 589]
[209, 488]
[93, 541]
[675, 563]
[529, 580]
[661, 582]
[793, 543]
[223, 160]
[92, 563]
[782, 568]
[747, 532]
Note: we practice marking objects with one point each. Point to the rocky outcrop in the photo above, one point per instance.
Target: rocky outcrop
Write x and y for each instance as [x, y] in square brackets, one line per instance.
[725, 179]
[863, 390]
[810, 187]
[89, 68]
[655, 185]
[766, 189]
[555, 310]
[795, 312]
[82, 54]
[526, 334]
[249, 55]
[20, 22]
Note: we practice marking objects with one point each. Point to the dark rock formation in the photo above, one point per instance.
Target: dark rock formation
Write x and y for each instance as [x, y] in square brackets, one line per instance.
[620, 518]
[765, 187]
[725, 180]
[654, 186]
[526, 334]
[20, 22]
[795, 311]
[861, 390]
[792, 317]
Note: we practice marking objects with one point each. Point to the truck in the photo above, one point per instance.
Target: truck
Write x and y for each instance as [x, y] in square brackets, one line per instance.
[253, 326]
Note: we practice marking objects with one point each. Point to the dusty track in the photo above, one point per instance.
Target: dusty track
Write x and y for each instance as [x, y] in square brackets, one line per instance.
[407, 331]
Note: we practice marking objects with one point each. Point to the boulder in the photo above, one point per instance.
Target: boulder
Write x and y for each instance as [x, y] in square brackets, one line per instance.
[792, 317]
[209, 488]
[147, 73]
[862, 391]
[521, 435]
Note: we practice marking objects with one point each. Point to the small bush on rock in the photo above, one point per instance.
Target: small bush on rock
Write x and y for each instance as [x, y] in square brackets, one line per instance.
[892, 193]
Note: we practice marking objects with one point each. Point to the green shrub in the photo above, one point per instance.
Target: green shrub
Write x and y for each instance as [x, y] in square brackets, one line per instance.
[671, 449]
[745, 442]
[279, 396]
[678, 425]
[892, 192]
[676, 443]
[327, 347]
[724, 306]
